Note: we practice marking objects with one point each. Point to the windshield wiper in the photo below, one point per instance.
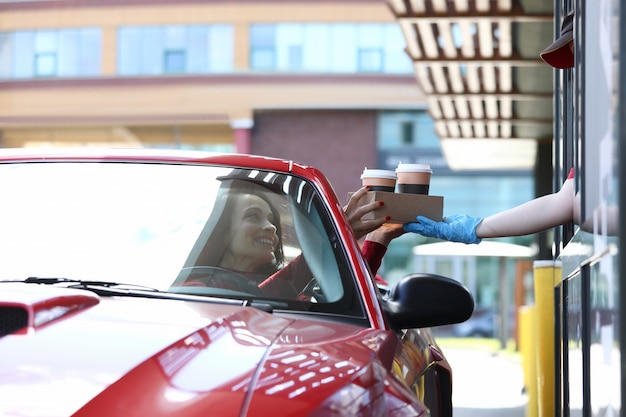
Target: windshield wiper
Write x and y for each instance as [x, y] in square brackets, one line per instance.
[108, 288]
[80, 283]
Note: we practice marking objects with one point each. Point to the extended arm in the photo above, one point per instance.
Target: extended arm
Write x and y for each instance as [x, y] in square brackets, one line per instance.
[533, 216]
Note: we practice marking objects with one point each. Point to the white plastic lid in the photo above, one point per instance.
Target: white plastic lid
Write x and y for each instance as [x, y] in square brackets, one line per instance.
[378, 173]
[413, 168]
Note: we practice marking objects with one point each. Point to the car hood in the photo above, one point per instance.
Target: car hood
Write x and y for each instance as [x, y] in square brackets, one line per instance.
[137, 357]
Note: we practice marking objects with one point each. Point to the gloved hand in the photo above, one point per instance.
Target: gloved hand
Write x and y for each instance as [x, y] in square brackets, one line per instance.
[456, 228]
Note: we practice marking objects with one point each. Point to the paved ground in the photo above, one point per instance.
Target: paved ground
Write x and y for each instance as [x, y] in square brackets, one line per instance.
[486, 384]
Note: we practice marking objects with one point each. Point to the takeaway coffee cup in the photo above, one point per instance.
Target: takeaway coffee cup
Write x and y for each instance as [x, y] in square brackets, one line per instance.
[379, 179]
[413, 178]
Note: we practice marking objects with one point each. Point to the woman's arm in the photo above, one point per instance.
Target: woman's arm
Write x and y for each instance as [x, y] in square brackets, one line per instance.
[289, 281]
[376, 242]
[534, 216]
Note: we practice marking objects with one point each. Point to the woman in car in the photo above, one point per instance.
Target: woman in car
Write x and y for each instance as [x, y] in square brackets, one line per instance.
[247, 240]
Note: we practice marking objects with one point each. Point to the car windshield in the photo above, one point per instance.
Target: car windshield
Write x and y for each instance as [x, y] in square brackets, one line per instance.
[193, 229]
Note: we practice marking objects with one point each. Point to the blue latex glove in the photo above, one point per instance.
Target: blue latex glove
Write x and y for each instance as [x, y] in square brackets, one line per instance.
[456, 228]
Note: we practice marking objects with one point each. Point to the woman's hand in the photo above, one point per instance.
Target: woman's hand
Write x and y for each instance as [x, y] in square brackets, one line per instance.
[357, 208]
[386, 233]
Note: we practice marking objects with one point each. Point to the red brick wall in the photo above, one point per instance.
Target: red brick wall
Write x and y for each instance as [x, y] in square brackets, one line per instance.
[338, 142]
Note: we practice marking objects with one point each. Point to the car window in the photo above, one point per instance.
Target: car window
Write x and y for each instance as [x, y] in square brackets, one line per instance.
[175, 227]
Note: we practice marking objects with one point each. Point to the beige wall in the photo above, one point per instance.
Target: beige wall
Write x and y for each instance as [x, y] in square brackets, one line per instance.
[197, 13]
[151, 112]
[223, 99]
[117, 136]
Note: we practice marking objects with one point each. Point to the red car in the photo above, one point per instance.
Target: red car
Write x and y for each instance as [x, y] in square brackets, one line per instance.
[148, 283]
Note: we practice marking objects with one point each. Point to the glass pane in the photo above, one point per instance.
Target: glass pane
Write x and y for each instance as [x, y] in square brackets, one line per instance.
[146, 224]
[262, 59]
[262, 36]
[174, 61]
[394, 129]
[221, 48]
[370, 35]
[425, 131]
[407, 133]
[46, 41]
[289, 39]
[129, 42]
[45, 65]
[370, 60]
[151, 51]
[69, 46]
[396, 59]
[344, 41]
[126, 234]
[295, 58]
[24, 54]
[90, 52]
[317, 47]
[197, 49]
[262, 47]
[388, 130]
[175, 37]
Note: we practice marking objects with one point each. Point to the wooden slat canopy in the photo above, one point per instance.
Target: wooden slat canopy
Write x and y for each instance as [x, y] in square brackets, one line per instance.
[475, 59]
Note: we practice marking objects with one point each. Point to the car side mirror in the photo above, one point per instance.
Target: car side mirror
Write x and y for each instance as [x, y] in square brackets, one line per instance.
[427, 300]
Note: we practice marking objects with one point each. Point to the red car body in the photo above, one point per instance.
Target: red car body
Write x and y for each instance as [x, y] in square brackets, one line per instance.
[97, 350]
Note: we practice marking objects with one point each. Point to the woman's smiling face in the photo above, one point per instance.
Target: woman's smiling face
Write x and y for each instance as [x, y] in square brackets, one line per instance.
[253, 237]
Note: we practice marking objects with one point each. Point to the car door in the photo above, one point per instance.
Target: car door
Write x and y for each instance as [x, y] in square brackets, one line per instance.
[421, 365]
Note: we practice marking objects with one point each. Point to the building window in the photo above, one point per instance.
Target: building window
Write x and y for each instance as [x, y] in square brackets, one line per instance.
[45, 64]
[175, 49]
[262, 47]
[50, 53]
[328, 48]
[174, 62]
[407, 133]
[46, 47]
[401, 129]
[295, 58]
[263, 59]
[370, 60]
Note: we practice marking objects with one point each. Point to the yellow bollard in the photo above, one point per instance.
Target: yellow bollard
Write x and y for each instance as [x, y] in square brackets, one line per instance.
[527, 346]
[546, 274]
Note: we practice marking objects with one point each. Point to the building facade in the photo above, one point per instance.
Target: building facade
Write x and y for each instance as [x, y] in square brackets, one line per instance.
[288, 79]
